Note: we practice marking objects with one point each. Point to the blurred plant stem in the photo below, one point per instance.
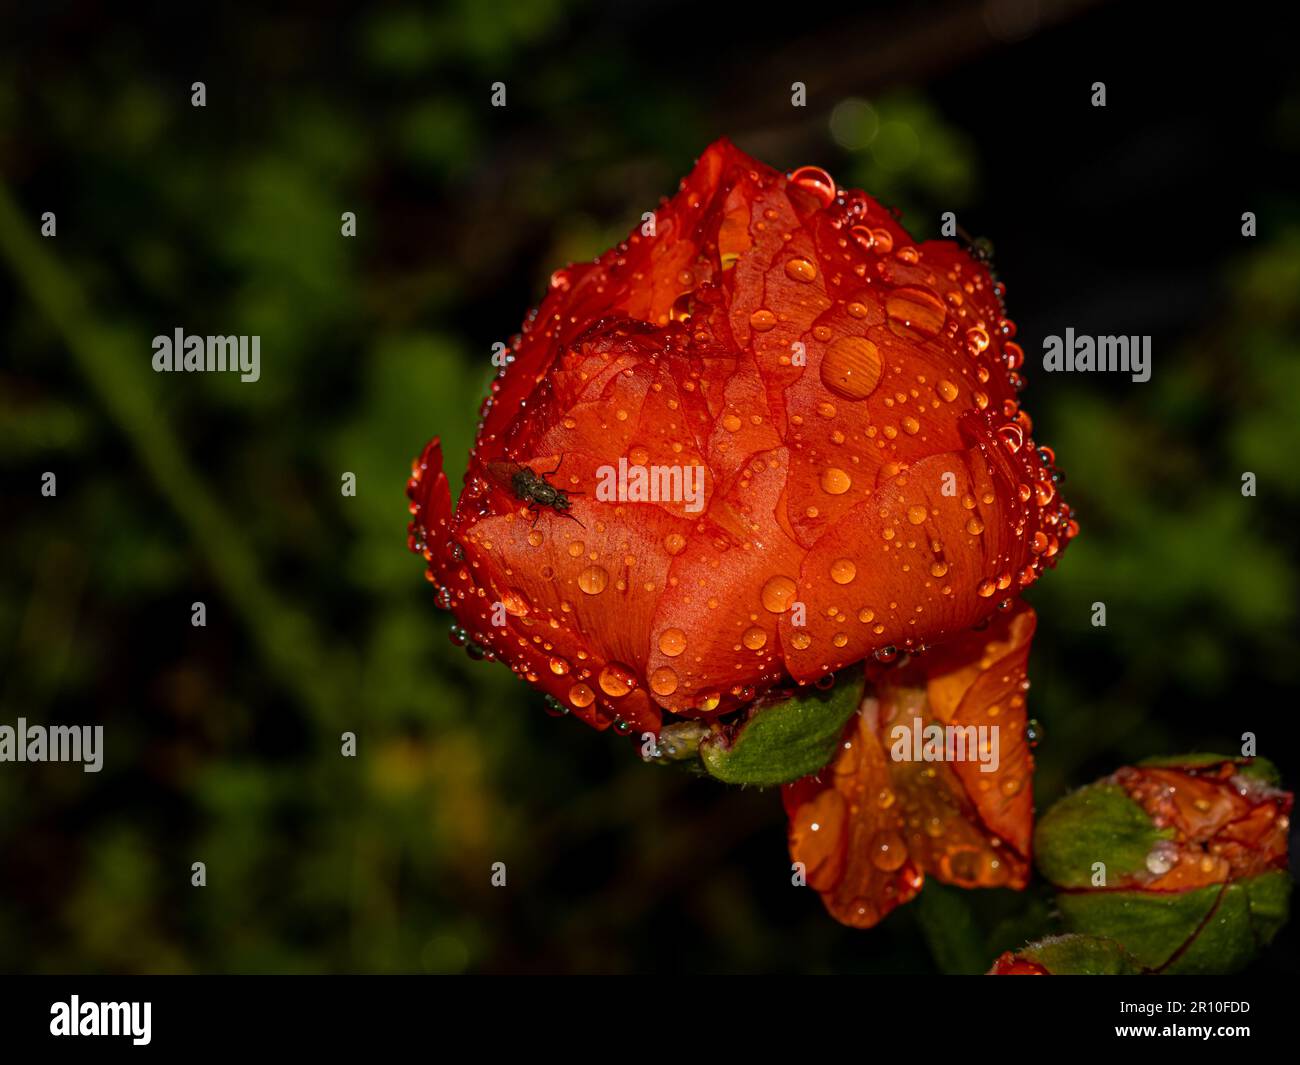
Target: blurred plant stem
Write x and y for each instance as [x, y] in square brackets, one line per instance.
[113, 362]
[950, 930]
[284, 635]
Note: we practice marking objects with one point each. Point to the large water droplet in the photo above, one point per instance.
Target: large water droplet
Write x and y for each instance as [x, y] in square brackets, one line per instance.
[663, 681]
[593, 579]
[851, 367]
[843, 570]
[777, 594]
[616, 680]
[835, 482]
[672, 642]
[815, 181]
[918, 309]
[800, 270]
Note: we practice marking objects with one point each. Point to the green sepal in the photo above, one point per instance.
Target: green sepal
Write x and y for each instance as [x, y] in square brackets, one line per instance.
[1097, 823]
[1186, 932]
[1078, 955]
[784, 741]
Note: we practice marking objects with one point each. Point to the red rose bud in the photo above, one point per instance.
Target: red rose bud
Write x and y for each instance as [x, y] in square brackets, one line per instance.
[1071, 955]
[766, 437]
[1182, 860]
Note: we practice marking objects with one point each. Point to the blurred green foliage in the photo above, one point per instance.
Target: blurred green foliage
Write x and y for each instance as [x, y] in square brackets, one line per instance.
[223, 742]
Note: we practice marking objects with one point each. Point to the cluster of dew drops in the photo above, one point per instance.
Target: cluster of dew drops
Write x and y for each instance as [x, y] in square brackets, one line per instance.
[925, 312]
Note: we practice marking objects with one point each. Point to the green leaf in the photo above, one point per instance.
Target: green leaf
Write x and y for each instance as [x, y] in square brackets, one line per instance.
[1098, 823]
[1076, 955]
[786, 740]
[1216, 929]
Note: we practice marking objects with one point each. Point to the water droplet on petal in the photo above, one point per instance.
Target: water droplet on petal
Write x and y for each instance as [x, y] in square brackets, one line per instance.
[672, 642]
[918, 309]
[843, 571]
[1161, 858]
[815, 181]
[1012, 437]
[593, 579]
[888, 852]
[835, 482]
[863, 236]
[663, 681]
[851, 367]
[800, 270]
[616, 680]
[777, 594]
[977, 339]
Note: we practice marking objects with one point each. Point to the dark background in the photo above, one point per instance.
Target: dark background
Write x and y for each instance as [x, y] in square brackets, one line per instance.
[223, 742]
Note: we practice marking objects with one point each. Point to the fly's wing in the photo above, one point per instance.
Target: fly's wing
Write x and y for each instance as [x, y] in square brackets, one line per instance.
[502, 473]
[512, 478]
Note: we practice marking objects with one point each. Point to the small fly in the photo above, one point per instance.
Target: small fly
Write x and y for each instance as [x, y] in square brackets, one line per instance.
[533, 488]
